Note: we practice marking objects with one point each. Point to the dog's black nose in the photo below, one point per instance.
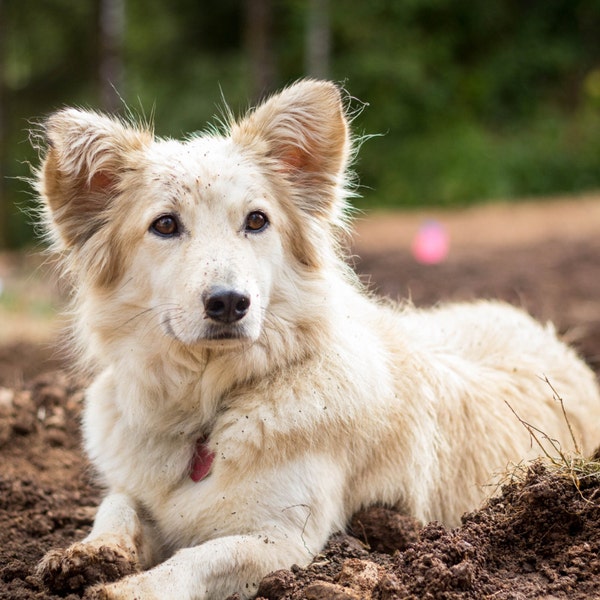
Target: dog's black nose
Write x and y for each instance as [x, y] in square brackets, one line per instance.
[226, 306]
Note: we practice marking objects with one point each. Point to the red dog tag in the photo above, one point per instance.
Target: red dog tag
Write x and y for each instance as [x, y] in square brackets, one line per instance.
[202, 461]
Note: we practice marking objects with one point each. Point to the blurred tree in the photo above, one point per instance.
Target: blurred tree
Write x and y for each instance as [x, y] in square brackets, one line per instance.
[318, 40]
[4, 221]
[48, 61]
[259, 45]
[111, 30]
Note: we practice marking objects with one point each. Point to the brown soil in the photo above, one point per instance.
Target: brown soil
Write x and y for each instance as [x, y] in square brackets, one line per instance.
[539, 539]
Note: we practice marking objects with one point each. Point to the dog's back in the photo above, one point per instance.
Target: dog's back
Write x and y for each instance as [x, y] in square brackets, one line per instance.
[469, 378]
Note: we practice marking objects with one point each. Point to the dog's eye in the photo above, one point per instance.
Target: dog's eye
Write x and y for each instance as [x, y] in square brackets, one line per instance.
[165, 226]
[256, 221]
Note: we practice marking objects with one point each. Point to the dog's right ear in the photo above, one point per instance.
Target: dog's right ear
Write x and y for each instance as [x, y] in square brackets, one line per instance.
[87, 154]
[303, 133]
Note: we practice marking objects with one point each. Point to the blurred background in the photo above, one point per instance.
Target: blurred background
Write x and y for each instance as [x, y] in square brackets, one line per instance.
[467, 101]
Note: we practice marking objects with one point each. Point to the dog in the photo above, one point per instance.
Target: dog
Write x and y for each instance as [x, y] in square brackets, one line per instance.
[248, 394]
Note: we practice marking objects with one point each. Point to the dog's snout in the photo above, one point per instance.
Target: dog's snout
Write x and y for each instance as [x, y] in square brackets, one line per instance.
[225, 305]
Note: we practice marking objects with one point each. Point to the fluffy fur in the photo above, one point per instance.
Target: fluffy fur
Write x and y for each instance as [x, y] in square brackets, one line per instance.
[318, 400]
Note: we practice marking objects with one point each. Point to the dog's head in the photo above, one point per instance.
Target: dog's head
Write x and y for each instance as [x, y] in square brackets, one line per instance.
[198, 233]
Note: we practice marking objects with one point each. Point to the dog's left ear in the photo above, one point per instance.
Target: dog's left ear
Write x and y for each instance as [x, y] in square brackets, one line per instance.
[82, 173]
[86, 154]
[303, 133]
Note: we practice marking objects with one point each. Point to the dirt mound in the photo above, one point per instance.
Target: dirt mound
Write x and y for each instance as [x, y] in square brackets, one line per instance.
[539, 539]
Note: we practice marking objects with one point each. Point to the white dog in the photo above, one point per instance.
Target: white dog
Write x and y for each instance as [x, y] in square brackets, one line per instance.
[248, 395]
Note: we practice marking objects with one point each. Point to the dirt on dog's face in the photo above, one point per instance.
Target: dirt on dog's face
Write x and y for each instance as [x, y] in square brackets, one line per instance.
[211, 242]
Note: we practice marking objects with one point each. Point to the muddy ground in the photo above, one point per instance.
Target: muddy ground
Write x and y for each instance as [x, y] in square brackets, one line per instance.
[539, 539]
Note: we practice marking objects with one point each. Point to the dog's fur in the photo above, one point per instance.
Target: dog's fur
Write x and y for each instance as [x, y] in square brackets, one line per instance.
[318, 400]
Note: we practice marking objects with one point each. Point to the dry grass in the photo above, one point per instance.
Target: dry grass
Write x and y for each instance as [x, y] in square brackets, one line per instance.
[572, 465]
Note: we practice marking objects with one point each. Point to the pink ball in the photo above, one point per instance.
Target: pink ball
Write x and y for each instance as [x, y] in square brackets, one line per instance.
[431, 244]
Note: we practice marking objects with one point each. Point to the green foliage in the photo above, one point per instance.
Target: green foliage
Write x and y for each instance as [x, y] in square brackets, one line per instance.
[181, 68]
[473, 100]
[466, 162]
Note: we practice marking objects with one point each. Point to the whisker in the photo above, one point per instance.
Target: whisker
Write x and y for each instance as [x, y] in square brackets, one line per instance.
[147, 314]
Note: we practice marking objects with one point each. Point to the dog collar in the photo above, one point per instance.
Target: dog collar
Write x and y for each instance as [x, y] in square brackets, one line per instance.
[202, 460]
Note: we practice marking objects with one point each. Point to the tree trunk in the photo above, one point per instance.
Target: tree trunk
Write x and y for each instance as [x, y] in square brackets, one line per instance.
[318, 39]
[111, 27]
[4, 212]
[259, 46]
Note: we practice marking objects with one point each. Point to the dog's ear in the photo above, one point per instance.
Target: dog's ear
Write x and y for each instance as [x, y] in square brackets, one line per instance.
[303, 132]
[82, 168]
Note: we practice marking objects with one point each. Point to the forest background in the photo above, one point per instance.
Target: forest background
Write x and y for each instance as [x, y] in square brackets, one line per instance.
[460, 101]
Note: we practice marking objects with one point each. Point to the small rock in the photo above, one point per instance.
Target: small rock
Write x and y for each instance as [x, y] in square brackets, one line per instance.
[276, 584]
[391, 588]
[360, 575]
[6, 402]
[321, 590]
[58, 418]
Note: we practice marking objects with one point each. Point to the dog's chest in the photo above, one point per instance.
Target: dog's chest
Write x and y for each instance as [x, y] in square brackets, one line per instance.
[184, 485]
[142, 443]
[148, 466]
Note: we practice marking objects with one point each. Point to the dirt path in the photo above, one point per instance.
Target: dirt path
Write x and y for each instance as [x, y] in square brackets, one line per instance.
[489, 226]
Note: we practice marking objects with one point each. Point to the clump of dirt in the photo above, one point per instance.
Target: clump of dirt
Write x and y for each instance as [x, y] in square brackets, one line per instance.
[385, 530]
[48, 409]
[539, 539]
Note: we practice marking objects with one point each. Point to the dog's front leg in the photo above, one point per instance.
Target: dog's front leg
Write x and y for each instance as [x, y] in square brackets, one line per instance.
[211, 571]
[118, 545]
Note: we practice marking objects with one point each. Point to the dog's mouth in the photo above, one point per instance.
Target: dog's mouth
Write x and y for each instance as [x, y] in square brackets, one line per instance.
[222, 333]
[210, 334]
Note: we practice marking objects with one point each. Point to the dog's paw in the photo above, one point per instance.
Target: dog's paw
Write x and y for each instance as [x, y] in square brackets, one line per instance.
[107, 592]
[83, 564]
[98, 592]
[130, 588]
